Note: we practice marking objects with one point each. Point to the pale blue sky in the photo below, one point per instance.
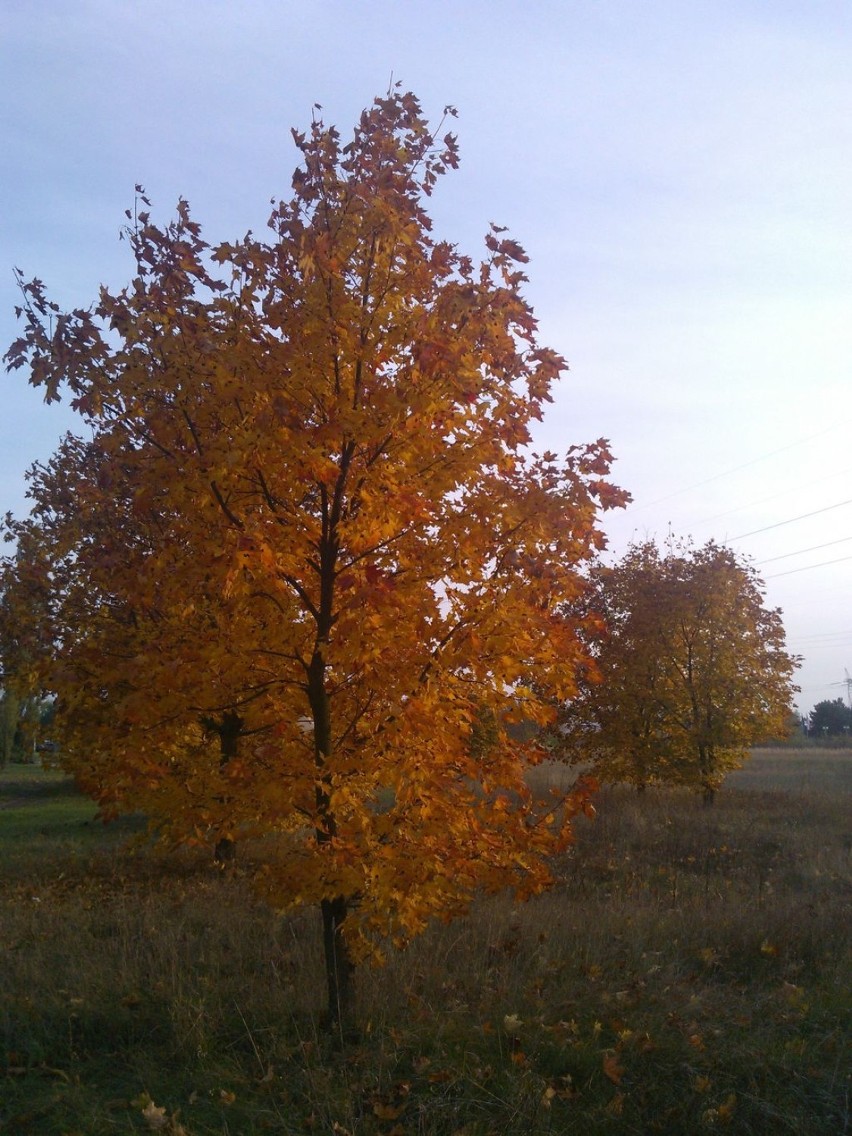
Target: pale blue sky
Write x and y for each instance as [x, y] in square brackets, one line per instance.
[679, 172]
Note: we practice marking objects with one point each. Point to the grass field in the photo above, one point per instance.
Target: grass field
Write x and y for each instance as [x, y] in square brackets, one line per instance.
[690, 973]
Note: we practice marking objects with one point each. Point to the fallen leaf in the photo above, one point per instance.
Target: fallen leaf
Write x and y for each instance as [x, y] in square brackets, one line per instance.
[616, 1105]
[388, 1111]
[612, 1069]
[155, 1117]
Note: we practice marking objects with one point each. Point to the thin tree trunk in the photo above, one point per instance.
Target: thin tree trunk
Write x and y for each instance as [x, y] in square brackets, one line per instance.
[229, 729]
[707, 756]
[339, 967]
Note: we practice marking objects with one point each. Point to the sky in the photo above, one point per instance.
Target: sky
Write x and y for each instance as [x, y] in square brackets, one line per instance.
[679, 172]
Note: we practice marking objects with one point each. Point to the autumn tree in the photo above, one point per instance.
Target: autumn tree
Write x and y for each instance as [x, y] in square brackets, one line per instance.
[25, 714]
[305, 549]
[620, 718]
[10, 715]
[691, 670]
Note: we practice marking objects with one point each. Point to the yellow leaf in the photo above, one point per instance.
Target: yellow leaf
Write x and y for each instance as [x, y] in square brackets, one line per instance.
[155, 1117]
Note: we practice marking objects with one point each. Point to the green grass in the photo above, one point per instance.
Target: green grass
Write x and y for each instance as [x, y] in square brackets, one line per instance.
[688, 974]
[821, 770]
[44, 820]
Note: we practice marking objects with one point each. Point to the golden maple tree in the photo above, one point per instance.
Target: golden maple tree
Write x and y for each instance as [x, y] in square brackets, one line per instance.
[690, 672]
[306, 547]
[621, 717]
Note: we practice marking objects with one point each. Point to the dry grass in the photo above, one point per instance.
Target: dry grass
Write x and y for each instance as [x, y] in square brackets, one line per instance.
[689, 974]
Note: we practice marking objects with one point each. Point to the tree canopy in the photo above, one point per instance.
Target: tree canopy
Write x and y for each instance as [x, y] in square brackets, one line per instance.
[691, 669]
[830, 718]
[305, 546]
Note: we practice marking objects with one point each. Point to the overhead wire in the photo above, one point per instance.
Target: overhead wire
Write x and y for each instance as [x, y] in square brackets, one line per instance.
[836, 641]
[737, 468]
[791, 520]
[802, 551]
[830, 637]
[807, 568]
[774, 496]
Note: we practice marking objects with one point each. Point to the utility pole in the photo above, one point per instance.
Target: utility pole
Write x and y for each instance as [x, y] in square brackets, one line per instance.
[847, 682]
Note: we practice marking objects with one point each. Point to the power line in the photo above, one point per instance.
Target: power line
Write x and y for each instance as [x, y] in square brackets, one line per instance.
[828, 637]
[790, 521]
[737, 468]
[774, 496]
[808, 649]
[834, 649]
[802, 551]
[808, 567]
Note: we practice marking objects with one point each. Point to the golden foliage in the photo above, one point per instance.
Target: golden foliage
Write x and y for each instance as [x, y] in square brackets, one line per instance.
[305, 545]
[691, 671]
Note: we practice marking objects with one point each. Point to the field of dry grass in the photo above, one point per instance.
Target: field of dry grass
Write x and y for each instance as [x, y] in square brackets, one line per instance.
[689, 973]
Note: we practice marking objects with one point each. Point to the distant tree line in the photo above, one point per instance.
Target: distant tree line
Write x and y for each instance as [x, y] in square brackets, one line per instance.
[831, 718]
[24, 725]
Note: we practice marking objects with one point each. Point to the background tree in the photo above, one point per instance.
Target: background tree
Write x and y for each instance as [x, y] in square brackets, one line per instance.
[691, 671]
[307, 521]
[10, 717]
[24, 726]
[830, 719]
[622, 718]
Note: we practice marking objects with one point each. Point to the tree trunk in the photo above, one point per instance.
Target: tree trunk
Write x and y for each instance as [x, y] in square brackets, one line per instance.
[707, 765]
[224, 851]
[229, 728]
[339, 968]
